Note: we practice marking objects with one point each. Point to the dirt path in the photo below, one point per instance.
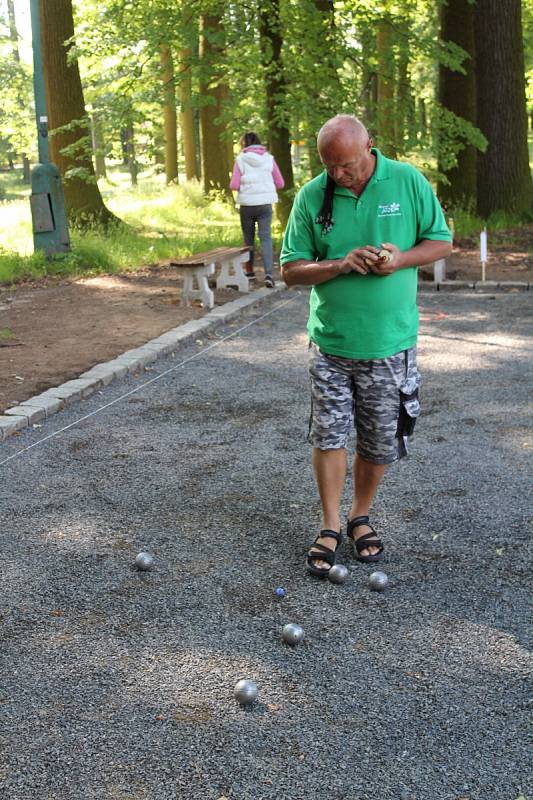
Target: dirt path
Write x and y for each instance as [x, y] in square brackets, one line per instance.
[51, 331]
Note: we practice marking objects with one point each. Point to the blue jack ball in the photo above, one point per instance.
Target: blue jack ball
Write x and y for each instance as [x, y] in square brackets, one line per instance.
[280, 592]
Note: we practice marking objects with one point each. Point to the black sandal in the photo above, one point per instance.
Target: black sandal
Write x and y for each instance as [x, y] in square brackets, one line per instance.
[370, 539]
[325, 553]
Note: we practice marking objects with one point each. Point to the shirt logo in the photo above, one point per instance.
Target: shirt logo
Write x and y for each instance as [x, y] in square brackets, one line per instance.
[389, 210]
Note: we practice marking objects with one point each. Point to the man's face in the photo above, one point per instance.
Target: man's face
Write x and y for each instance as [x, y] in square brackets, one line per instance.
[348, 161]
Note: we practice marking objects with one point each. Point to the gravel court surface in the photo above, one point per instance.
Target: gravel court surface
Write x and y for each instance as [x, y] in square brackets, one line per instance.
[119, 684]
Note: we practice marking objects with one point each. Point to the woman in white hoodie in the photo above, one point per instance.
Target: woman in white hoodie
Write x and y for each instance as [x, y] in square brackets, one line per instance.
[256, 176]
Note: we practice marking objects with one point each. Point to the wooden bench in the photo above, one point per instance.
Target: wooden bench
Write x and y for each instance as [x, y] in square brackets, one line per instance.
[200, 266]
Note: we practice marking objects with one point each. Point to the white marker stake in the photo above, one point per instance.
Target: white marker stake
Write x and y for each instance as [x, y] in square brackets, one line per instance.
[483, 251]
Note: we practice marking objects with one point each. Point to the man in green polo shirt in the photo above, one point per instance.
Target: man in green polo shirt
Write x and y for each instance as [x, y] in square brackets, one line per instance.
[357, 234]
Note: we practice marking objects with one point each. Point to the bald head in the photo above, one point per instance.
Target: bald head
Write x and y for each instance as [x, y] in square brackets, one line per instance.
[343, 128]
[345, 149]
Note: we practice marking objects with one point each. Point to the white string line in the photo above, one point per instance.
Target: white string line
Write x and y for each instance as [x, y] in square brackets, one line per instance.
[147, 383]
[524, 346]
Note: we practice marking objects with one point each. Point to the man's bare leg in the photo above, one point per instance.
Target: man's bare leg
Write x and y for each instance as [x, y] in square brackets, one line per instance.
[330, 468]
[366, 479]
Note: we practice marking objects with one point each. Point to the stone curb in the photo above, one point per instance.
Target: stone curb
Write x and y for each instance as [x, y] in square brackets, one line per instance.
[476, 286]
[51, 401]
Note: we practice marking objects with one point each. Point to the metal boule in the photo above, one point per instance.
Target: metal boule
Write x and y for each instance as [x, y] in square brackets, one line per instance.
[384, 256]
[292, 633]
[245, 691]
[378, 581]
[338, 573]
[144, 562]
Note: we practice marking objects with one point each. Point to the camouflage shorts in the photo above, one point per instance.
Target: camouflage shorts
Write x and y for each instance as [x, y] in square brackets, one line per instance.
[379, 396]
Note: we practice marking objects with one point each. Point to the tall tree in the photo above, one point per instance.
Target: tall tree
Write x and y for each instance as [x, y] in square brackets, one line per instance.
[457, 93]
[188, 127]
[97, 141]
[70, 145]
[216, 166]
[385, 108]
[169, 114]
[504, 178]
[276, 90]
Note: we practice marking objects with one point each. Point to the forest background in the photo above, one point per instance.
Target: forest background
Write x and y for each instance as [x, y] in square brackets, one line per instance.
[147, 100]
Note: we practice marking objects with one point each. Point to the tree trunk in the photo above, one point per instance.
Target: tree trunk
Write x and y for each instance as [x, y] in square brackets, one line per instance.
[26, 170]
[276, 89]
[188, 132]
[197, 142]
[385, 111]
[13, 33]
[169, 115]
[315, 164]
[329, 92]
[69, 148]
[403, 98]
[457, 93]
[97, 141]
[422, 118]
[129, 147]
[215, 166]
[504, 179]
[369, 78]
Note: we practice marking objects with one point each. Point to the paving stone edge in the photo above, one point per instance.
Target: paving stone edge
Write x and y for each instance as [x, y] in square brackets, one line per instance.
[42, 406]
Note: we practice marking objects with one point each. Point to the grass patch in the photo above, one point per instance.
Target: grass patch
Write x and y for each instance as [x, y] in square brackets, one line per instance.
[12, 186]
[162, 222]
[6, 334]
[467, 224]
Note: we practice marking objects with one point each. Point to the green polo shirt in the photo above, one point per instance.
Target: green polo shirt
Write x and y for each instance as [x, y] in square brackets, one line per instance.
[365, 316]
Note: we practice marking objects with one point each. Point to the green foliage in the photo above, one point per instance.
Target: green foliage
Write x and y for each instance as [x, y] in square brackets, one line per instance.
[17, 119]
[453, 134]
[329, 59]
[83, 173]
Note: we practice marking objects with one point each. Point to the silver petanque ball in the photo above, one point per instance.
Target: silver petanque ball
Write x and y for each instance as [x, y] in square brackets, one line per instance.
[144, 562]
[338, 573]
[378, 581]
[246, 691]
[292, 633]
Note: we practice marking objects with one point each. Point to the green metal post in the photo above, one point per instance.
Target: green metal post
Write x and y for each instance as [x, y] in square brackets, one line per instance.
[50, 227]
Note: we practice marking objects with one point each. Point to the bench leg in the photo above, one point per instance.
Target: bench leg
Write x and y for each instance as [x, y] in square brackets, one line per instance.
[207, 296]
[232, 273]
[202, 292]
[188, 288]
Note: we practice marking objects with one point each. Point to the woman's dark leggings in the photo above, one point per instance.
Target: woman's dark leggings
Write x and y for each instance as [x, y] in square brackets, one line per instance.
[262, 215]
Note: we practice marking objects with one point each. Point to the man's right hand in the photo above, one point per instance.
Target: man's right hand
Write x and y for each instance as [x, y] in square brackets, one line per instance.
[355, 261]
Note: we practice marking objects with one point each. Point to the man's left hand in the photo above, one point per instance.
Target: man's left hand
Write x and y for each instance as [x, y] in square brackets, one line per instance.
[387, 267]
